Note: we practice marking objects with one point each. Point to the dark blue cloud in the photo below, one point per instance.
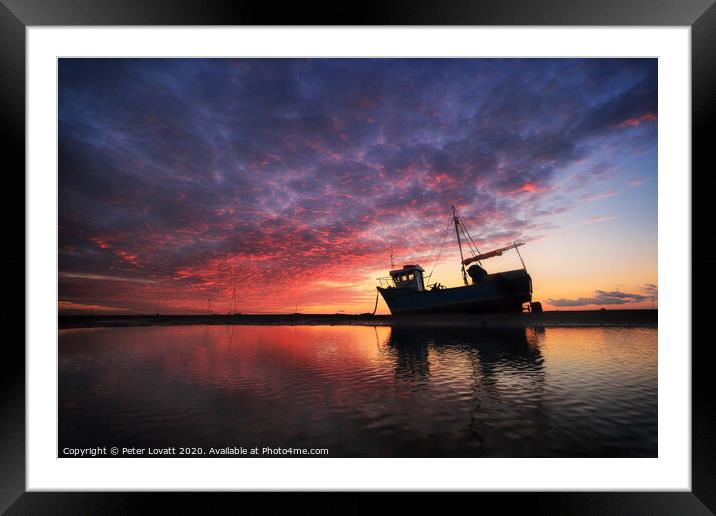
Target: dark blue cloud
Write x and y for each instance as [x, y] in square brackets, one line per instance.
[601, 297]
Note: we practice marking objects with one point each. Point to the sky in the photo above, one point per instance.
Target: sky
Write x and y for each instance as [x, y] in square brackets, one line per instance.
[290, 180]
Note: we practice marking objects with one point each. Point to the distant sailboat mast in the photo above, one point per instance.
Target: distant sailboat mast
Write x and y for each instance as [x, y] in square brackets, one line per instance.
[232, 303]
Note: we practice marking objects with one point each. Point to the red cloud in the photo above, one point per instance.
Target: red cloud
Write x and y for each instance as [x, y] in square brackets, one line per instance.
[528, 188]
[631, 122]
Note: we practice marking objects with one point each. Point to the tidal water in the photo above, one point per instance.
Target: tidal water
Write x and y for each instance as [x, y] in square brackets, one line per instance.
[362, 391]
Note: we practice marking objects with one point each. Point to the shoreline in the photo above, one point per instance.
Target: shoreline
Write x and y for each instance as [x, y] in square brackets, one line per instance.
[577, 318]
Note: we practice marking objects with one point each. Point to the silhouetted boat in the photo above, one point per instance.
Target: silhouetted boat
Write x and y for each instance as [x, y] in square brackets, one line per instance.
[407, 293]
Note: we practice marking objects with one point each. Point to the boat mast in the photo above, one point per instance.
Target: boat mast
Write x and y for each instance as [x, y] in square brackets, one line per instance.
[459, 243]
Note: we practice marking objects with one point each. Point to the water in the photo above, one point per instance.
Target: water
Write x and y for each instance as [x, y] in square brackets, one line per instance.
[362, 391]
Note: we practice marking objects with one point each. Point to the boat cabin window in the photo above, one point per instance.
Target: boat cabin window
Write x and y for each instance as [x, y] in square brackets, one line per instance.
[412, 280]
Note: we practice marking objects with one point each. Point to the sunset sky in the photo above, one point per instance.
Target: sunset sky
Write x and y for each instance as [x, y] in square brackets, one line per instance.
[290, 179]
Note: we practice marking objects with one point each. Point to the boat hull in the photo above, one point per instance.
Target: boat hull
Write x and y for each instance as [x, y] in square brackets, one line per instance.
[500, 292]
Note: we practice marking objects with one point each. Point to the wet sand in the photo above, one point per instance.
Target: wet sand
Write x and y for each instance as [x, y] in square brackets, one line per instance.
[586, 318]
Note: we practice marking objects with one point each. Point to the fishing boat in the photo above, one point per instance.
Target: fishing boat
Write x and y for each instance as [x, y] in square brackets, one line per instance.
[407, 290]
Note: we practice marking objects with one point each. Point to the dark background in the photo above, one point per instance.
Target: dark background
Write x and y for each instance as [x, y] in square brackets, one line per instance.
[15, 15]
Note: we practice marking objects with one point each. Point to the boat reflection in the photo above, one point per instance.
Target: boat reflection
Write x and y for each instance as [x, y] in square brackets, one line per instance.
[486, 349]
[498, 373]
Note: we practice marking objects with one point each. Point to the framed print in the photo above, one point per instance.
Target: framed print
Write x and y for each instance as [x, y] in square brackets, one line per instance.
[413, 250]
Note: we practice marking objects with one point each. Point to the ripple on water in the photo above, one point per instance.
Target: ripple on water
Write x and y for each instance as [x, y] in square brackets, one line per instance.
[364, 391]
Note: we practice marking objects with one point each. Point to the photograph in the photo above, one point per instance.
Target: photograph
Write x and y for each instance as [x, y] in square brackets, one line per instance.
[349, 257]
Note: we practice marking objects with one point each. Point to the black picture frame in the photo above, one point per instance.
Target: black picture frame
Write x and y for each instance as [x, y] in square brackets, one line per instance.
[700, 15]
